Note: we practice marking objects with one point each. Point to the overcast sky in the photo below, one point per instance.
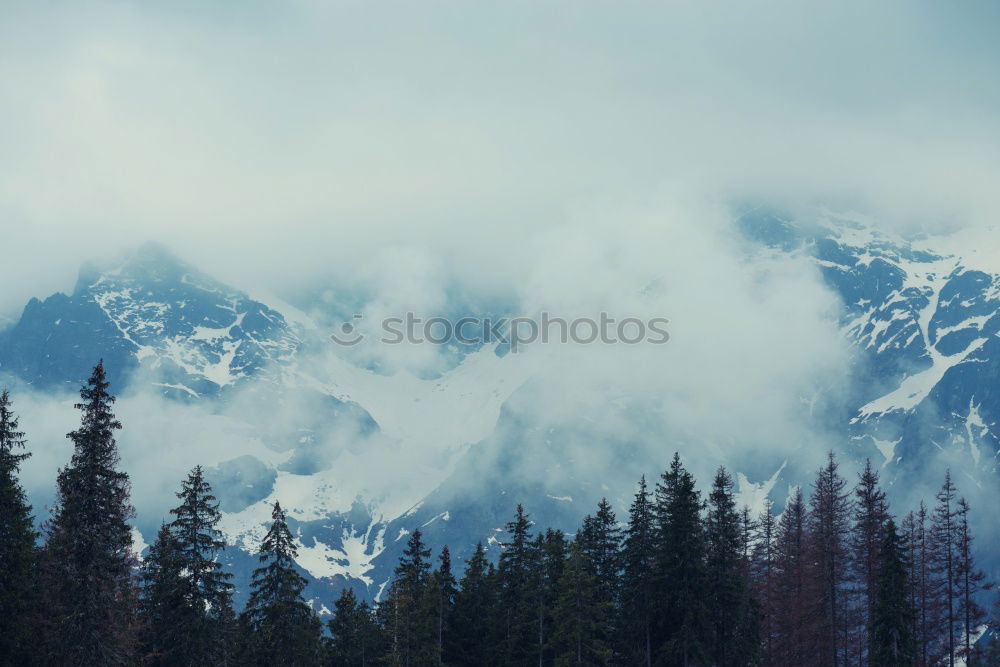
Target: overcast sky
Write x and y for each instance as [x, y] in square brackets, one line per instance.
[285, 144]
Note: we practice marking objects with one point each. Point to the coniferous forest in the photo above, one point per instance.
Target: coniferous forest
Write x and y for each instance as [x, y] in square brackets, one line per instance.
[684, 576]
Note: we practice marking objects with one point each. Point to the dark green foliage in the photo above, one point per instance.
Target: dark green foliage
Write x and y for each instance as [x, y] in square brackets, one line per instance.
[891, 636]
[475, 611]
[682, 633]
[582, 614]
[88, 557]
[445, 588]
[731, 609]
[870, 516]
[161, 598]
[409, 613]
[635, 619]
[518, 593]
[18, 555]
[190, 625]
[355, 639]
[278, 627]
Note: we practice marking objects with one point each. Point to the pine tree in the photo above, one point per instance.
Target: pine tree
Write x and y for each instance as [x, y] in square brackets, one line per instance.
[763, 578]
[828, 530]
[635, 621]
[553, 550]
[278, 627]
[790, 594]
[88, 556]
[730, 608]
[891, 637]
[199, 622]
[18, 555]
[161, 596]
[920, 583]
[600, 542]
[942, 564]
[354, 636]
[446, 587]
[683, 634]
[870, 516]
[475, 611]
[410, 609]
[970, 581]
[581, 615]
[518, 591]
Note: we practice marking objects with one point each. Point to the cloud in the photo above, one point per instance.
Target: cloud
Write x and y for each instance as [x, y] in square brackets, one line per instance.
[254, 138]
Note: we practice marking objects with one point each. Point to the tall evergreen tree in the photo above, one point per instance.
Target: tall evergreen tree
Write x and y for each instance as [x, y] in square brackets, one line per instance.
[410, 609]
[475, 611]
[518, 592]
[683, 634]
[88, 556]
[891, 637]
[970, 581]
[161, 598]
[581, 615]
[601, 544]
[354, 637]
[18, 555]
[553, 550]
[731, 610]
[870, 515]
[200, 622]
[763, 579]
[446, 587]
[635, 621]
[790, 589]
[920, 583]
[600, 541]
[828, 530]
[943, 562]
[278, 627]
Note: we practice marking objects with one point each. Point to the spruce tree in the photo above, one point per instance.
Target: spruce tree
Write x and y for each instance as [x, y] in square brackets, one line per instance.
[278, 627]
[763, 578]
[635, 620]
[683, 634]
[446, 587]
[581, 615]
[475, 611]
[943, 563]
[354, 636]
[161, 597]
[870, 515]
[88, 556]
[553, 549]
[200, 622]
[970, 581]
[829, 530]
[518, 591]
[410, 609]
[920, 583]
[601, 544]
[18, 555]
[891, 637]
[731, 610]
[790, 593]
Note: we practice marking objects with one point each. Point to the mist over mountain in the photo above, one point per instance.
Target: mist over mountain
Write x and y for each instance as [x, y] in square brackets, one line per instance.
[361, 456]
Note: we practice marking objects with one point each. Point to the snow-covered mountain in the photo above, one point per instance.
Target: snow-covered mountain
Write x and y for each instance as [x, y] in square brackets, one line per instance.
[922, 313]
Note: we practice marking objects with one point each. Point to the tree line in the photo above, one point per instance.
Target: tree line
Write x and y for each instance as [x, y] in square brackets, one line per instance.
[834, 579]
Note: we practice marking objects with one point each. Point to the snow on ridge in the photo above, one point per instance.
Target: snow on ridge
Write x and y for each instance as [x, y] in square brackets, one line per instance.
[754, 495]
